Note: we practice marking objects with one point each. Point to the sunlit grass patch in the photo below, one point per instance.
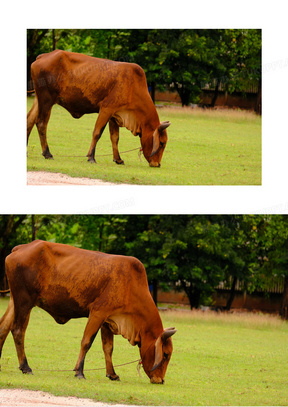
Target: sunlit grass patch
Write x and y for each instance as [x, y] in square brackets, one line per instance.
[218, 359]
[205, 147]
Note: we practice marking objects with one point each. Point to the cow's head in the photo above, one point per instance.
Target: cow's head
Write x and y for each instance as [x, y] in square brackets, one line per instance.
[154, 147]
[156, 358]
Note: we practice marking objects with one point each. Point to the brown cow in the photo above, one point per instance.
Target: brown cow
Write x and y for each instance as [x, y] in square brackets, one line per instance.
[110, 290]
[116, 90]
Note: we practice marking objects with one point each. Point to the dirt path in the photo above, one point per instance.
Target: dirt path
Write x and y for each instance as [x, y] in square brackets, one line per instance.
[19, 397]
[49, 178]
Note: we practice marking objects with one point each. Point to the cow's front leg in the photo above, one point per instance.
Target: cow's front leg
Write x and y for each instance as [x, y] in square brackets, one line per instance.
[107, 345]
[114, 136]
[100, 125]
[89, 335]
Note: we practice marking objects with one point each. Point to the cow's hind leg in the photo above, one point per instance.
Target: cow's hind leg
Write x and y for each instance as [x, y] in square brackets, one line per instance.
[107, 344]
[93, 325]
[114, 136]
[18, 329]
[6, 323]
[41, 123]
[31, 117]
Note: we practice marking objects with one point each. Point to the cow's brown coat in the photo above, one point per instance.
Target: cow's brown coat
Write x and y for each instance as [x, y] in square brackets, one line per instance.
[116, 90]
[110, 290]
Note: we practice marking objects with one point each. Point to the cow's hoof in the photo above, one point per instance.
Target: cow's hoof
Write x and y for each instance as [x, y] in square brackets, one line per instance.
[80, 375]
[26, 370]
[91, 160]
[119, 162]
[113, 377]
[48, 156]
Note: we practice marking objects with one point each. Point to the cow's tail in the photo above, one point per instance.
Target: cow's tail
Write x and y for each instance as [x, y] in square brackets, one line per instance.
[6, 323]
[32, 116]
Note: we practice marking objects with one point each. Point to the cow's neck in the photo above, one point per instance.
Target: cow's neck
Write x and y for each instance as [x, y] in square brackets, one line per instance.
[150, 333]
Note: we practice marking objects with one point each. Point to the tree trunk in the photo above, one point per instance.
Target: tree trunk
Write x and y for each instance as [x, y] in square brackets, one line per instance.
[215, 94]
[258, 105]
[152, 91]
[232, 295]
[184, 95]
[33, 227]
[195, 299]
[193, 295]
[54, 41]
[155, 291]
[284, 306]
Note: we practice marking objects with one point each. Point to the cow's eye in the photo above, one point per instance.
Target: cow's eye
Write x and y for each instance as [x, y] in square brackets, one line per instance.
[165, 355]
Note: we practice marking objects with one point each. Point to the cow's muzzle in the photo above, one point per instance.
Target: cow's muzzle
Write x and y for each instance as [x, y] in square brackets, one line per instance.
[154, 164]
[157, 380]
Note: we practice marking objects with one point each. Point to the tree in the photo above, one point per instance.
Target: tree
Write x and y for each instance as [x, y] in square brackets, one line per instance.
[192, 254]
[184, 60]
[9, 234]
[240, 252]
[242, 52]
[273, 257]
[179, 250]
[35, 46]
[261, 243]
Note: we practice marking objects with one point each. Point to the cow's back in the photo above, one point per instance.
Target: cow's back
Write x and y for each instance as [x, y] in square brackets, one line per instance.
[66, 281]
[83, 84]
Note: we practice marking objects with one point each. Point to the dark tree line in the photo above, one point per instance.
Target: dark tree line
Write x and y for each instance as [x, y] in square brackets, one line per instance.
[189, 252]
[183, 60]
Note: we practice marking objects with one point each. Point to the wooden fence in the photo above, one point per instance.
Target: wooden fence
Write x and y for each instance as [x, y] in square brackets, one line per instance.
[274, 285]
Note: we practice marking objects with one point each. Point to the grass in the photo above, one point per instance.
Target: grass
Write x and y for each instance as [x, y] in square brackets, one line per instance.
[204, 148]
[218, 359]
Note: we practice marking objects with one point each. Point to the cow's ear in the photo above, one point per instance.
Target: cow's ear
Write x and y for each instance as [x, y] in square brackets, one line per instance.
[156, 136]
[158, 353]
[156, 142]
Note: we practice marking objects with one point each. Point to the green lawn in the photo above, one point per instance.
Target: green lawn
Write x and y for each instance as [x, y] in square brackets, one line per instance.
[218, 359]
[204, 148]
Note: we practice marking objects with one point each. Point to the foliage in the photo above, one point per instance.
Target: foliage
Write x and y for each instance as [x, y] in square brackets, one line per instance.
[192, 252]
[240, 51]
[189, 57]
[181, 59]
[196, 253]
[11, 233]
[272, 240]
[218, 359]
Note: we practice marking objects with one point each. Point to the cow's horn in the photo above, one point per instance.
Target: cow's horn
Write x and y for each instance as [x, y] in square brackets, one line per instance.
[164, 125]
[168, 332]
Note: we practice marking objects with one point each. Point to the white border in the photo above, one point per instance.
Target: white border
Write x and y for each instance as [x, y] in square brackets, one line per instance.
[17, 197]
